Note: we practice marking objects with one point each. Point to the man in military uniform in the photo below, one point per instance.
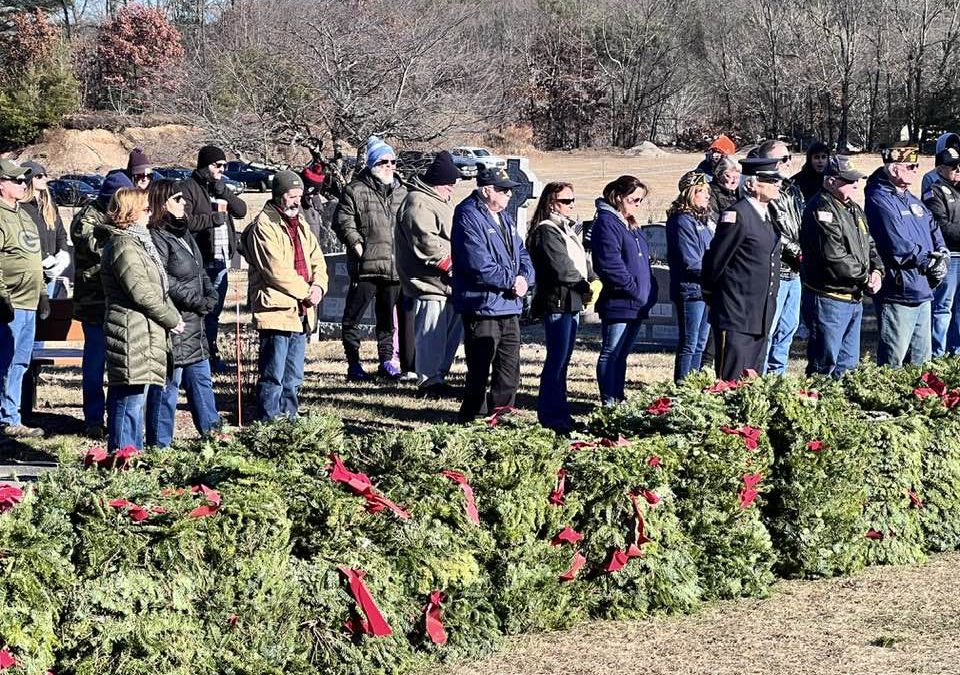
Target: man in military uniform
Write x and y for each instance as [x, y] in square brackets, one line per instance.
[741, 272]
[20, 260]
[840, 264]
[914, 258]
[943, 199]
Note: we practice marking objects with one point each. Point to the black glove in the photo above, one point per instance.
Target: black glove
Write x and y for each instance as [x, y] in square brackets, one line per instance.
[6, 309]
[937, 267]
[43, 307]
[792, 255]
[218, 188]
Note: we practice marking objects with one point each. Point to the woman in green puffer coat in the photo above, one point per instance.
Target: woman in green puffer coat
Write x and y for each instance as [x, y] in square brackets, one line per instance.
[139, 313]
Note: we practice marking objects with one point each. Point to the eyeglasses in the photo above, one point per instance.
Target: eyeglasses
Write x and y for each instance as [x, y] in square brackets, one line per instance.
[384, 162]
[503, 190]
[568, 201]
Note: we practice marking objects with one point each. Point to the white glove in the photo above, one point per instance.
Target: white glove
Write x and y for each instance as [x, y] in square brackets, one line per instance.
[63, 262]
[49, 266]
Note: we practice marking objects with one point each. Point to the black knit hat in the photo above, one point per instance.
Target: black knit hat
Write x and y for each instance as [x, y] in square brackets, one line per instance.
[138, 163]
[209, 154]
[442, 171]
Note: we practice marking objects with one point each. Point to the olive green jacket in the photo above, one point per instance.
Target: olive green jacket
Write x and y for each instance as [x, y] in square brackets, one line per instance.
[20, 257]
[89, 234]
[139, 312]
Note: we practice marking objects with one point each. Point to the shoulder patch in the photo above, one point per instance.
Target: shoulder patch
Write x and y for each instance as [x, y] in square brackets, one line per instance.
[728, 217]
[824, 216]
[917, 210]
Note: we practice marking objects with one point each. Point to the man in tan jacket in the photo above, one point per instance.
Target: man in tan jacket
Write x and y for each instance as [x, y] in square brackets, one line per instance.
[287, 277]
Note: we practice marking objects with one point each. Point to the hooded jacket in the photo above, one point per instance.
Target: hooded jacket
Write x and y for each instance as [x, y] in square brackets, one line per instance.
[688, 238]
[424, 223]
[905, 235]
[621, 259]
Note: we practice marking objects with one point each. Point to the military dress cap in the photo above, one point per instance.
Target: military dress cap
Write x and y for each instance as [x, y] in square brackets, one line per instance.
[495, 177]
[840, 166]
[692, 179]
[948, 157]
[900, 154]
[762, 167]
[10, 170]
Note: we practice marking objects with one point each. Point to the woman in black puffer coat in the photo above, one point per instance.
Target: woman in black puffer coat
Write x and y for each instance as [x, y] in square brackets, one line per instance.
[194, 296]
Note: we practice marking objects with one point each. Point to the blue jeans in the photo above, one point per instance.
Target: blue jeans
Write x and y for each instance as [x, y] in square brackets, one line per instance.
[16, 350]
[125, 415]
[945, 312]
[162, 403]
[560, 331]
[281, 373]
[904, 334]
[217, 271]
[694, 324]
[833, 346]
[94, 362]
[617, 342]
[786, 320]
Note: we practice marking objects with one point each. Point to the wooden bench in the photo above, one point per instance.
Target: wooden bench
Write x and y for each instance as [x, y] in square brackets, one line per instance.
[59, 342]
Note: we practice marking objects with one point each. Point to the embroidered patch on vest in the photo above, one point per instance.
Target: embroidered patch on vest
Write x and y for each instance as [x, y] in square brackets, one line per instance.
[825, 216]
[728, 217]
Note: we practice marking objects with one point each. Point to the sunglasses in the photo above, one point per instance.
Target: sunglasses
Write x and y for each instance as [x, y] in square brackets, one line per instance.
[21, 180]
[786, 158]
[913, 167]
[177, 198]
[137, 177]
[771, 180]
[633, 200]
[384, 162]
[503, 190]
[39, 176]
[568, 201]
[220, 165]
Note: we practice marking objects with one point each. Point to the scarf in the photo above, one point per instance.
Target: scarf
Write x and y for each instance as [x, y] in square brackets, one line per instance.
[575, 251]
[143, 234]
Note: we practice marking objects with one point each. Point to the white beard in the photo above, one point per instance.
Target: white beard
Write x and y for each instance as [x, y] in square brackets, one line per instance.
[291, 212]
[382, 174]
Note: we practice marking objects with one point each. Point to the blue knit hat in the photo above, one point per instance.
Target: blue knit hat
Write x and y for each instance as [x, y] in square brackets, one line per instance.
[115, 180]
[377, 149]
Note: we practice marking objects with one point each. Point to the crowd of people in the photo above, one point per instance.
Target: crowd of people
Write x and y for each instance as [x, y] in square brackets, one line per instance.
[753, 254]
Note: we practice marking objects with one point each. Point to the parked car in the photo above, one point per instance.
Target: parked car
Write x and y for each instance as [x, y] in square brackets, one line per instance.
[254, 176]
[467, 158]
[69, 192]
[412, 162]
[94, 180]
[183, 173]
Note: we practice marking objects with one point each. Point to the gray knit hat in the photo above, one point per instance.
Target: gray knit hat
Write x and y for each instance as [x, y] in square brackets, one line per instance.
[283, 182]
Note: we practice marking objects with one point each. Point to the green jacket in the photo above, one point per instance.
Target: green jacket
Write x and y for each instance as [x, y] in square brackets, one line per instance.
[367, 215]
[138, 312]
[20, 257]
[89, 234]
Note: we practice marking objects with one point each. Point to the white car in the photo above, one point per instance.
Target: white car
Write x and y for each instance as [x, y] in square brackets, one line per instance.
[467, 158]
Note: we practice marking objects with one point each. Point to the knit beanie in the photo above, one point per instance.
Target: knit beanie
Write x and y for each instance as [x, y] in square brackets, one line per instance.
[283, 182]
[209, 154]
[376, 149]
[442, 171]
[138, 163]
[115, 180]
[723, 144]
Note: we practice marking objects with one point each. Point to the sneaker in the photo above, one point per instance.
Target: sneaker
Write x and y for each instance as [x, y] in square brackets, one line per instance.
[355, 373]
[389, 371]
[21, 431]
[409, 377]
[96, 432]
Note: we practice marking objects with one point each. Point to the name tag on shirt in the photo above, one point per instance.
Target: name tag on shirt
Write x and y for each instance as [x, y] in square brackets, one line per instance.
[916, 209]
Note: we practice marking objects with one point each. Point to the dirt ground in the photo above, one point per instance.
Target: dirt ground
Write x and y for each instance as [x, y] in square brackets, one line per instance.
[885, 620]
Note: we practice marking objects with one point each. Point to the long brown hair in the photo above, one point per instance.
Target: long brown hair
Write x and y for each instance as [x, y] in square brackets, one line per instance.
[547, 196]
[45, 204]
[616, 191]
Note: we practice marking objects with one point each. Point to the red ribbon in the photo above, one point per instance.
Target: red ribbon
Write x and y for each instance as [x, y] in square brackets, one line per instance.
[374, 623]
[471, 505]
[580, 445]
[10, 496]
[575, 566]
[951, 399]
[137, 513]
[567, 535]
[661, 406]
[749, 493]
[815, 446]
[651, 497]
[874, 534]
[432, 620]
[750, 435]
[810, 393]
[619, 443]
[935, 383]
[639, 537]
[618, 558]
[748, 374]
[915, 499]
[6, 659]
[360, 485]
[556, 497]
[653, 461]
[498, 413]
[721, 386]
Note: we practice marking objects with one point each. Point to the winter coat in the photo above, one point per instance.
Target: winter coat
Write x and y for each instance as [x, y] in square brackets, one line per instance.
[560, 284]
[943, 140]
[488, 256]
[621, 259]
[276, 292]
[906, 235]
[943, 200]
[807, 180]
[190, 289]
[741, 271]
[20, 257]
[721, 199]
[424, 222]
[89, 234]
[198, 192]
[787, 212]
[367, 215]
[688, 238]
[838, 252]
[52, 239]
[139, 312]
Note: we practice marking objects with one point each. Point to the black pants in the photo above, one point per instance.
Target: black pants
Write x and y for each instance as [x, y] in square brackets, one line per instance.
[407, 334]
[738, 351]
[385, 294]
[490, 342]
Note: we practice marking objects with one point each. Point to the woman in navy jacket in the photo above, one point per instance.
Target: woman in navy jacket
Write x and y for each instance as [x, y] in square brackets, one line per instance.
[689, 231]
[621, 260]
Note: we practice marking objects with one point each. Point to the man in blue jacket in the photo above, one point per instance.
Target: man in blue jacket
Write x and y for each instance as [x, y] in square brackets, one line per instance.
[914, 258]
[491, 274]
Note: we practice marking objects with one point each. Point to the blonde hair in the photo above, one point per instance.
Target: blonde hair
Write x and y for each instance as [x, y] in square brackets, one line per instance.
[684, 201]
[125, 205]
[45, 204]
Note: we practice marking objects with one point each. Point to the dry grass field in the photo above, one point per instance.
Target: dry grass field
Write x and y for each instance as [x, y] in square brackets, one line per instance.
[884, 621]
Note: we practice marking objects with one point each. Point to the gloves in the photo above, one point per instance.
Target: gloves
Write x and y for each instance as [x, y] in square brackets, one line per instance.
[43, 307]
[218, 188]
[792, 255]
[49, 268]
[6, 309]
[937, 266]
